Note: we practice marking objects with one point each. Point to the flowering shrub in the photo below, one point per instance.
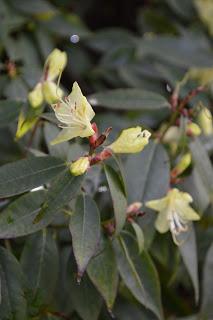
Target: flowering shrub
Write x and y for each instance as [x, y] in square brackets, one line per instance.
[106, 179]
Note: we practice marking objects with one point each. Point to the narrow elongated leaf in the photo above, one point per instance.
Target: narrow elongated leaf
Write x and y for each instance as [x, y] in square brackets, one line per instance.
[118, 197]
[9, 111]
[23, 175]
[13, 303]
[207, 302]
[63, 190]
[139, 275]
[85, 298]
[39, 261]
[129, 99]
[203, 165]
[102, 270]
[139, 236]
[148, 173]
[85, 230]
[188, 250]
[17, 219]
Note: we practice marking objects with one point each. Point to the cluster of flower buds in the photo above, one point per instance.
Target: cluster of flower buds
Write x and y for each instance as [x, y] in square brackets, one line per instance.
[47, 89]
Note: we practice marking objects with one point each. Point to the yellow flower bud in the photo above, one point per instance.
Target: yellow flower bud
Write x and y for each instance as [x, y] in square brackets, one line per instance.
[182, 165]
[131, 140]
[80, 166]
[205, 121]
[203, 75]
[55, 63]
[35, 97]
[51, 92]
[193, 129]
[172, 134]
[205, 10]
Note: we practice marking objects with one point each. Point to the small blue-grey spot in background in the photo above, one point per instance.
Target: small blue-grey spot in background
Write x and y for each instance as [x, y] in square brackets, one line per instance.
[74, 38]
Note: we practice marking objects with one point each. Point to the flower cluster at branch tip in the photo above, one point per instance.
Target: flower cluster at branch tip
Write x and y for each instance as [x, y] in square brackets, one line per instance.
[47, 89]
[75, 114]
[175, 212]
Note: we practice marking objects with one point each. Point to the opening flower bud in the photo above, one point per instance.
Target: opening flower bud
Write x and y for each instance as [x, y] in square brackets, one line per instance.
[193, 129]
[35, 97]
[55, 63]
[182, 165]
[131, 140]
[205, 121]
[51, 92]
[80, 166]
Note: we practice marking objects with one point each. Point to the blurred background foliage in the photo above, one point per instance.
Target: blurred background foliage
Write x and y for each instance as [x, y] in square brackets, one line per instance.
[112, 44]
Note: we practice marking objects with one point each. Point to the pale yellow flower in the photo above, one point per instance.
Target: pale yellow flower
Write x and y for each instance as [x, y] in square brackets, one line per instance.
[80, 166]
[131, 140]
[75, 114]
[175, 212]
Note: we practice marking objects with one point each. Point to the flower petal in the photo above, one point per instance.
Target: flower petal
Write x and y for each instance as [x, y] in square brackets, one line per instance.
[186, 212]
[162, 222]
[65, 135]
[158, 205]
[76, 97]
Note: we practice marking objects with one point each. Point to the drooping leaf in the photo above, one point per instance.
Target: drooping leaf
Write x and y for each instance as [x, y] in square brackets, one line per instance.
[206, 309]
[188, 250]
[139, 236]
[129, 99]
[102, 271]
[39, 261]
[13, 303]
[85, 230]
[147, 173]
[23, 175]
[139, 275]
[85, 298]
[203, 165]
[118, 197]
[9, 111]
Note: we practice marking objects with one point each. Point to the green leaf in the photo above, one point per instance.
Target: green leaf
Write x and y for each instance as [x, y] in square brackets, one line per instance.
[139, 236]
[38, 7]
[63, 190]
[17, 219]
[59, 150]
[24, 175]
[179, 51]
[118, 197]
[139, 275]
[129, 99]
[85, 298]
[203, 165]
[188, 250]
[13, 303]
[148, 173]
[207, 302]
[9, 111]
[40, 263]
[85, 230]
[102, 270]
